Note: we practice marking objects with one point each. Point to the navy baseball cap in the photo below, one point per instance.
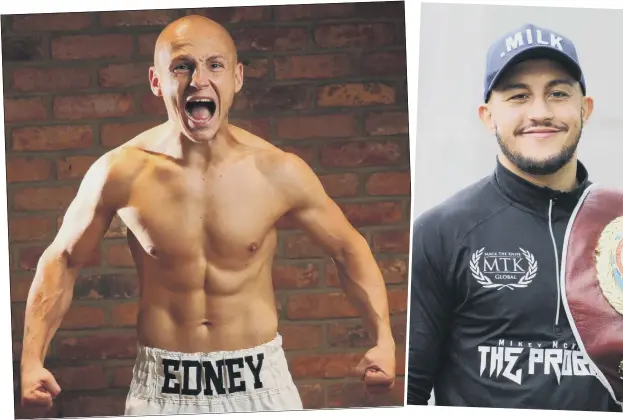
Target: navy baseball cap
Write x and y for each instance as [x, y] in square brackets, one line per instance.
[530, 42]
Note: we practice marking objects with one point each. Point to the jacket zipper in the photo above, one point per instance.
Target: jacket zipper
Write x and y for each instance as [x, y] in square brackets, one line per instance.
[551, 232]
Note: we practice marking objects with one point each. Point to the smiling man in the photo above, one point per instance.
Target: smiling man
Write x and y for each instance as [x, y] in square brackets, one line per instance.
[201, 199]
[488, 322]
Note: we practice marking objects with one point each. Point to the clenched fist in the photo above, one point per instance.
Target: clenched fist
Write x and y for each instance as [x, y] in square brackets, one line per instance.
[39, 388]
[378, 369]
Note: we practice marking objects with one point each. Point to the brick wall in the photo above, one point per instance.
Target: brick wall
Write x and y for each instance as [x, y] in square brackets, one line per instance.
[327, 82]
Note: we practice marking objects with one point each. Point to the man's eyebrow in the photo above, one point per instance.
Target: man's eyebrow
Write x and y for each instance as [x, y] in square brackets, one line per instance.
[510, 86]
[504, 87]
[555, 82]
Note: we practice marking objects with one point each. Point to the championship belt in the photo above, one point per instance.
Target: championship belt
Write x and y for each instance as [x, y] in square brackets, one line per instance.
[592, 282]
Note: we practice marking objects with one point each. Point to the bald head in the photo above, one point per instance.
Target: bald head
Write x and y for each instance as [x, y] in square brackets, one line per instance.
[190, 31]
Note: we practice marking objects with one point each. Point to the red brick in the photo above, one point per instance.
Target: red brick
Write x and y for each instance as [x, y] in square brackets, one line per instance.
[44, 198]
[353, 394]
[320, 306]
[23, 48]
[260, 128]
[58, 137]
[375, 213]
[357, 154]
[118, 255]
[124, 75]
[340, 185]
[354, 35]
[20, 286]
[28, 169]
[387, 123]
[106, 286]
[89, 47]
[17, 354]
[384, 63]
[326, 366]
[394, 271]
[305, 153]
[117, 228]
[80, 378]
[301, 337]
[312, 396]
[48, 22]
[311, 11]
[356, 94]
[35, 412]
[96, 346]
[300, 246]
[122, 376]
[115, 134]
[275, 38]
[389, 183]
[234, 14]
[398, 301]
[381, 9]
[125, 314]
[153, 105]
[349, 334]
[391, 241]
[18, 313]
[51, 79]
[272, 98]
[313, 66]
[146, 44]
[31, 109]
[316, 126]
[106, 105]
[82, 316]
[29, 257]
[74, 167]
[294, 276]
[31, 228]
[95, 405]
[256, 68]
[136, 18]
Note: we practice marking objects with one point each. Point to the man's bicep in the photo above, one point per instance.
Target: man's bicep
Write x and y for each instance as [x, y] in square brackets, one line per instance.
[429, 318]
[87, 218]
[316, 213]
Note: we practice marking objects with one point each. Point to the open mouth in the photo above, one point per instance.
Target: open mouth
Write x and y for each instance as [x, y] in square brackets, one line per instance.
[200, 109]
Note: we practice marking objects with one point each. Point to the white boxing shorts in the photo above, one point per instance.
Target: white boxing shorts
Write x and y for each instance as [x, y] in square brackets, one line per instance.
[249, 380]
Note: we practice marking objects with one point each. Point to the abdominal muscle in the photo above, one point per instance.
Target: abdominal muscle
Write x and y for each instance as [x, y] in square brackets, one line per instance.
[194, 309]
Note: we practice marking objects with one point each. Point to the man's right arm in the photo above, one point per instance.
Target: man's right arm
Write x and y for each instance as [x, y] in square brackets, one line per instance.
[430, 312]
[86, 221]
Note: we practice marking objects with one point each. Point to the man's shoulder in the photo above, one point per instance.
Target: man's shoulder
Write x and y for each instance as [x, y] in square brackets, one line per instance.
[463, 210]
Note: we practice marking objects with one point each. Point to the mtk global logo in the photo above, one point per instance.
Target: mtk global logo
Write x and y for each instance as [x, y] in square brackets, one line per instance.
[501, 270]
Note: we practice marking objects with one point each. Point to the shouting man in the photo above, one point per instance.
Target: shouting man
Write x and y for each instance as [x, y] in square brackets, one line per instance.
[201, 199]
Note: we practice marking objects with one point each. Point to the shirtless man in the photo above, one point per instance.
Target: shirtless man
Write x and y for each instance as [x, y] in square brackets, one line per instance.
[201, 198]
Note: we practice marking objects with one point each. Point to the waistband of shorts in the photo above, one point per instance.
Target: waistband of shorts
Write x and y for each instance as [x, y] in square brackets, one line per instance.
[146, 353]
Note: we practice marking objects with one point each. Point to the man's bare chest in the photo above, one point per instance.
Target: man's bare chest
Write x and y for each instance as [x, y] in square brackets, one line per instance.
[184, 214]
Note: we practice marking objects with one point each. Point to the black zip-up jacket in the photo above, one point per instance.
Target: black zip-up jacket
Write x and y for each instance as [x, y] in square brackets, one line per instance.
[487, 323]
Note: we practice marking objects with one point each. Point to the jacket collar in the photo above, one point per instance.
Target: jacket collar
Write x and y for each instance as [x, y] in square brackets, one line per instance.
[537, 199]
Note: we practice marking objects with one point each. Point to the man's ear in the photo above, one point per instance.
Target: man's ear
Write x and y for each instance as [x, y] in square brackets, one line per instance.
[487, 119]
[154, 82]
[239, 77]
[587, 108]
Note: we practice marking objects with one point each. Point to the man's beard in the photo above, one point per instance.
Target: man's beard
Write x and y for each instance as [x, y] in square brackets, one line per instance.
[541, 167]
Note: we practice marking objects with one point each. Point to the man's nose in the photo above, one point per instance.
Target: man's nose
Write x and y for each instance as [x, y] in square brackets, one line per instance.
[540, 110]
[201, 77]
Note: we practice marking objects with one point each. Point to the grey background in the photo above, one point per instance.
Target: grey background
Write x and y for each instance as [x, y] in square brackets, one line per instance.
[453, 148]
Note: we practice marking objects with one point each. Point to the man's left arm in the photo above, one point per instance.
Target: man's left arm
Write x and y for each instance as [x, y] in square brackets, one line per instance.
[321, 218]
